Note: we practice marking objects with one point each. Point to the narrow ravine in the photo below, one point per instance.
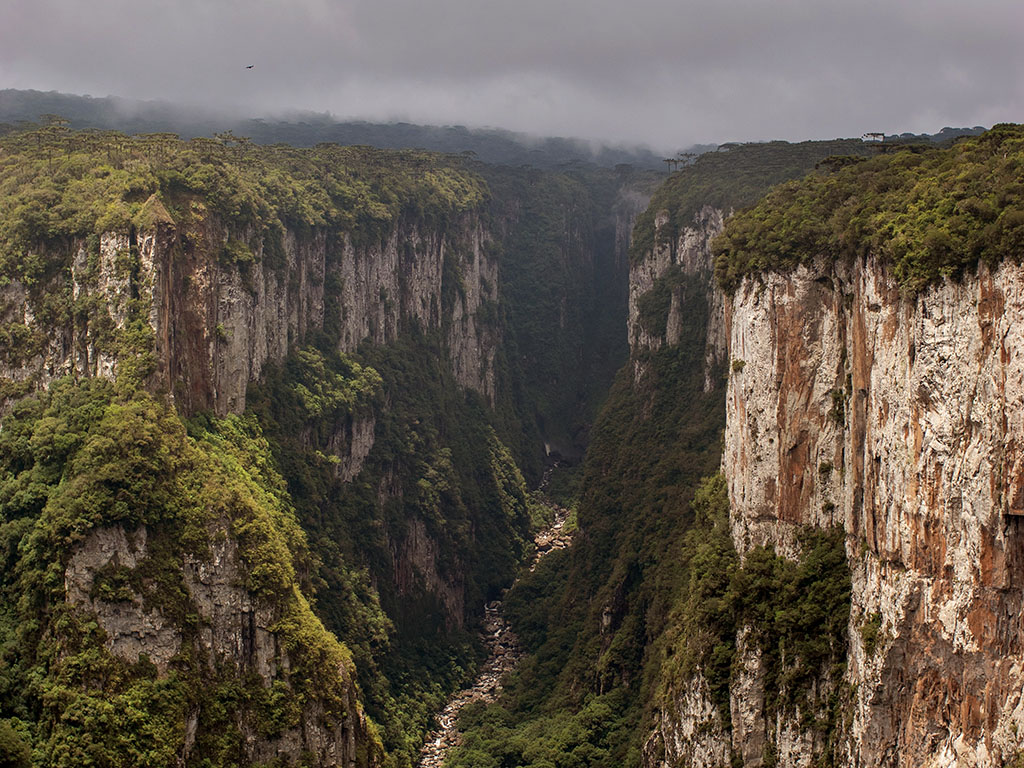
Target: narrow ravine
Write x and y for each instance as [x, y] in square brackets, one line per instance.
[503, 655]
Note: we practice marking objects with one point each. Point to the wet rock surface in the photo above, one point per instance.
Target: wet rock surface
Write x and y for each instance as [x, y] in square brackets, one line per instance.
[503, 656]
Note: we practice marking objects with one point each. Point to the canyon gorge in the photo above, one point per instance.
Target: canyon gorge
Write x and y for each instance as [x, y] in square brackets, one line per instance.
[270, 418]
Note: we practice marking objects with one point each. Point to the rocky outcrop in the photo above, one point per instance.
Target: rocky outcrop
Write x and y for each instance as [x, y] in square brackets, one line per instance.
[132, 628]
[689, 730]
[222, 304]
[685, 256]
[899, 419]
[234, 629]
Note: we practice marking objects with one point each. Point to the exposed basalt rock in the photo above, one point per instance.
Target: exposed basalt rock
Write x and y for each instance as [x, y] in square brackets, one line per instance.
[77, 347]
[235, 628]
[900, 419]
[690, 253]
[131, 628]
[689, 731]
[746, 700]
[473, 340]
[219, 319]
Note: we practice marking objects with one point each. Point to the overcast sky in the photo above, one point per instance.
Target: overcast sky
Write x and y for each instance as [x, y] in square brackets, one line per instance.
[667, 73]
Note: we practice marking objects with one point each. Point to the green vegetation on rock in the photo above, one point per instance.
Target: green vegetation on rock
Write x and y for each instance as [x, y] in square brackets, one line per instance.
[796, 613]
[57, 186]
[397, 556]
[87, 457]
[926, 212]
[732, 178]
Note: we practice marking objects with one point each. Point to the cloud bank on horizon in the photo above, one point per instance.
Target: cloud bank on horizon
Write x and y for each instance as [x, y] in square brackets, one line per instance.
[668, 73]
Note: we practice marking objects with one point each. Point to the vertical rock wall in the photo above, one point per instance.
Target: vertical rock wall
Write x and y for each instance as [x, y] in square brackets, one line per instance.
[218, 320]
[689, 254]
[900, 420]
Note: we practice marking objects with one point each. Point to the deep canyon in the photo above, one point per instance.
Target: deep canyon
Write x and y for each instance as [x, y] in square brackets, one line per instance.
[270, 418]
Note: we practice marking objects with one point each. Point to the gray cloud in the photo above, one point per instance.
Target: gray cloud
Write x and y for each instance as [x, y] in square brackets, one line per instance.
[662, 72]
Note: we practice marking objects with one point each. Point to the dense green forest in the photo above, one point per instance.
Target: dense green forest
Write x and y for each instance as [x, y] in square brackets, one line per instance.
[927, 212]
[59, 184]
[490, 145]
[734, 177]
[459, 479]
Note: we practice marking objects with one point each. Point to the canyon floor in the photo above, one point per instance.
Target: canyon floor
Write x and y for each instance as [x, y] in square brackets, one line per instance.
[503, 655]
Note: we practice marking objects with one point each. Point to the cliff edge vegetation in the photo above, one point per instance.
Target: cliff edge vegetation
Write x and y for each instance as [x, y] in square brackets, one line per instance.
[929, 212]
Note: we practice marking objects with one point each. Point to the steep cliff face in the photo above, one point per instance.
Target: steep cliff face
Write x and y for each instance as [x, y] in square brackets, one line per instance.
[656, 299]
[723, 693]
[222, 304]
[898, 420]
[473, 335]
[233, 629]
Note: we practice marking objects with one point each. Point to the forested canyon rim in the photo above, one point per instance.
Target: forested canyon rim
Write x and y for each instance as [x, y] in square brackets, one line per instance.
[249, 390]
[327, 324]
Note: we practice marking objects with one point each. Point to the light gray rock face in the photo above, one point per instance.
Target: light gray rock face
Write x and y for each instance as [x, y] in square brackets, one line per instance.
[689, 731]
[235, 628]
[74, 348]
[131, 628]
[218, 321]
[746, 701]
[472, 343]
[690, 253]
[901, 420]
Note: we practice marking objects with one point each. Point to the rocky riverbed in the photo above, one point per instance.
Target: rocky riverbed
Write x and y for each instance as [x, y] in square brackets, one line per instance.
[503, 655]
